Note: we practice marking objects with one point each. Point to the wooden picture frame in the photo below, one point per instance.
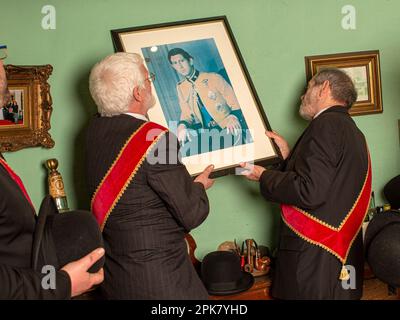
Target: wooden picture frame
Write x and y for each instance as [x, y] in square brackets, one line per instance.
[364, 70]
[215, 62]
[25, 120]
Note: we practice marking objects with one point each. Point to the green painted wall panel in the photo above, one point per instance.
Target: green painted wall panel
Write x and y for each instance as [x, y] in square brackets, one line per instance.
[273, 37]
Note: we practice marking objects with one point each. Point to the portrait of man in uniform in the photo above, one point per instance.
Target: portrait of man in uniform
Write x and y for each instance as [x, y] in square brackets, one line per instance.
[203, 91]
[197, 97]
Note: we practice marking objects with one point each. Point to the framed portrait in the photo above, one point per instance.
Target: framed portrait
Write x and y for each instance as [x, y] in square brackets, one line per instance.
[25, 116]
[203, 92]
[363, 68]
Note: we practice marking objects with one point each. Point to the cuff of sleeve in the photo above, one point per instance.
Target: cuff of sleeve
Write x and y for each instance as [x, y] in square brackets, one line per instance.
[264, 174]
[200, 185]
[63, 284]
[263, 180]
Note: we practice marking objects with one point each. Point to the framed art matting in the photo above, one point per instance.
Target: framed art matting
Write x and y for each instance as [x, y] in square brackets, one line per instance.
[203, 92]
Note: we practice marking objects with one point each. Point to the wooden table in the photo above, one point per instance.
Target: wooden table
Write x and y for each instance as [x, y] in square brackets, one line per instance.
[374, 289]
[259, 291]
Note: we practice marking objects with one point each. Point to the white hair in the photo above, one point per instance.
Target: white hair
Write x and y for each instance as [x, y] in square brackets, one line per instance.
[112, 80]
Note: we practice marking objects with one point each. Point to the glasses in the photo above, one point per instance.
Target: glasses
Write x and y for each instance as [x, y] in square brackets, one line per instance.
[151, 77]
[3, 52]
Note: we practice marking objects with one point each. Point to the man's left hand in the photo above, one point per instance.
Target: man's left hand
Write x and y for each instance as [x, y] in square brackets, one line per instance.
[81, 279]
[233, 125]
[251, 171]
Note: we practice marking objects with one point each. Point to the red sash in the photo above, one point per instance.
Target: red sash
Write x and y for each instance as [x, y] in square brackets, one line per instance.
[123, 170]
[17, 180]
[336, 240]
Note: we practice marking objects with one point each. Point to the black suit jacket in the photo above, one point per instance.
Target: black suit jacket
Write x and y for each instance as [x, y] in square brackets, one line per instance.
[17, 225]
[323, 175]
[146, 254]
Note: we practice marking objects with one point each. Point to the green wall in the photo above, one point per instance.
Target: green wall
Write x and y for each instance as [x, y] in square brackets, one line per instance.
[273, 36]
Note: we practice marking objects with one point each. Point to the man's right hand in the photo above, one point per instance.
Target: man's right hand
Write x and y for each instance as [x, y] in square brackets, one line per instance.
[183, 134]
[280, 142]
[204, 179]
[81, 279]
[233, 125]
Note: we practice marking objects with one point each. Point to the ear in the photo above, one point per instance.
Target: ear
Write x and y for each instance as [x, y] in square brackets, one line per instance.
[191, 62]
[137, 94]
[325, 88]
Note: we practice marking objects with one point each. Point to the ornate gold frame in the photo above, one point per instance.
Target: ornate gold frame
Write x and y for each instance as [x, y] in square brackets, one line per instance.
[366, 59]
[37, 108]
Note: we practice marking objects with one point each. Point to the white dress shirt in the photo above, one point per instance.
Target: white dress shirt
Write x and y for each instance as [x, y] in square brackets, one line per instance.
[137, 116]
[320, 112]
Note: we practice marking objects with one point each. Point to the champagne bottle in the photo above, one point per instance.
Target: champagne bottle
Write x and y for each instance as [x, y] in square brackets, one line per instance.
[56, 186]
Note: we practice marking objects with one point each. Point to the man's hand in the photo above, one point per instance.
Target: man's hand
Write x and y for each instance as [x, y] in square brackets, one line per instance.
[251, 171]
[280, 142]
[204, 179]
[183, 134]
[233, 125]
[81, 279]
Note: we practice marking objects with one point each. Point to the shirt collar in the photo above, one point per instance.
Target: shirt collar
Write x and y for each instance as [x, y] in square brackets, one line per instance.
[320, 111]
[193, 77]
[137, 116]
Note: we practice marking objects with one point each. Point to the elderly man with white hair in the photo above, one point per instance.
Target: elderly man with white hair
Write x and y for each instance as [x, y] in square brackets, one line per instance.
[143, 206]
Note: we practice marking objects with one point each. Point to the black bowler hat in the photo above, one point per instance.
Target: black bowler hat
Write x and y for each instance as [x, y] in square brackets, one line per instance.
[382, 246]
[222, 275]
[392, 193]
[61, 238]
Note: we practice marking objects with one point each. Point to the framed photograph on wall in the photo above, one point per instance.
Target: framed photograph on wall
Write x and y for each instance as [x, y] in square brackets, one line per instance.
[25, 117]
[203, 92]
[363, 68]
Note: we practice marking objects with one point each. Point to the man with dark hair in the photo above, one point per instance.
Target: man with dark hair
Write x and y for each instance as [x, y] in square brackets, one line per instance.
[324, 187]
[206, 99]
[176, 51]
